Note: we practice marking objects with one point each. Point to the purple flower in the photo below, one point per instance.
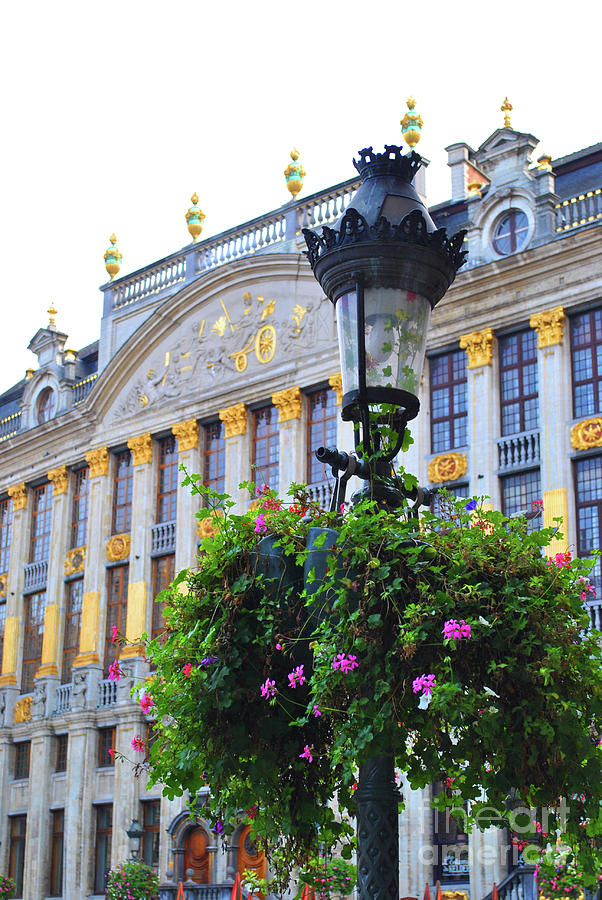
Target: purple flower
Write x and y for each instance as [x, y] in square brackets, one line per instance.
[219, 827]
[296, 677]
[454, 629]
[268, 689]
[472, 504]
[424, 685]
[346, 663]
[207, 661]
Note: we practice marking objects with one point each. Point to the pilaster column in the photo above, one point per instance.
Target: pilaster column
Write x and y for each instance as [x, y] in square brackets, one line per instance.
[290, 466]
[79, 812]
[126, 788]
[99, 510]
[14, 586]
[237, 452]
[345, 436]
[416, 855]
[59, 479]
[554, 369]
[188, 503]
[37, 848]
[482, 419]
[140, 547]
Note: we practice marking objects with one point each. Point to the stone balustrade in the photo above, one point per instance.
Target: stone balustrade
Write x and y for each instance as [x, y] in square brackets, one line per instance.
[107, 693]
[163, 538]
[10, 425]
[36, 575]
[82, 388]
[516, 451]
[575, 212]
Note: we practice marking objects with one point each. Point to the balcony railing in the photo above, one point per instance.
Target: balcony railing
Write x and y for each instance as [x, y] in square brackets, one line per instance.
[107, 693]
[321, 493]
[194, 891]
[82, 388]
[594, 608]
[575, 212]
[518, 885]
[10, 425]
[516, 451]
[164, 538]
[63, 699]
[151, 281]
[36, 574]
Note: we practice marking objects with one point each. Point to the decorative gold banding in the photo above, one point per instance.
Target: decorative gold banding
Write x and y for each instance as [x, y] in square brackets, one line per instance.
[336, 383]
[479, 347]
[18, 494]
[98, 461]
[187, 434]
[587, 434]
[288, 403]
[142, 449]
[548, 325]
[75, 560]
[447, 467]
[89, 658]
[234, 419]
[23, 710]
[59, 479]
[118, 547]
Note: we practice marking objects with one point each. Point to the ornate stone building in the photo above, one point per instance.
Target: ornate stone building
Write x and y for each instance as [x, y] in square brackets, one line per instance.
[223, 357]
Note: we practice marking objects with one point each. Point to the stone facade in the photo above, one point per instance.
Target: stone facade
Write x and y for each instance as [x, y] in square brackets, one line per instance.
[212, 346]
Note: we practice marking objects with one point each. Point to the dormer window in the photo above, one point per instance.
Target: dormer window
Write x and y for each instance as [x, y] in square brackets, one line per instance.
[46, 405]
[511, 232]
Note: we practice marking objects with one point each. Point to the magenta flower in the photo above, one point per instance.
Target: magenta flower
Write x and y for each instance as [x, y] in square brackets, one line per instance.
[187, 669]
[260, 524]
[296, 677]
[115, 673]
[146, 703]
[278, 646]
[307, 753]
[346, 663]
[268, 689]
[424, 685]
[562, 560]
[317, 712]
[138, 744]
[114, 633]
[454, 629]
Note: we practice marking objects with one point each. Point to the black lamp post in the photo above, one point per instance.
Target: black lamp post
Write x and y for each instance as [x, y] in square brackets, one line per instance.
[135, 833]
[384, 266]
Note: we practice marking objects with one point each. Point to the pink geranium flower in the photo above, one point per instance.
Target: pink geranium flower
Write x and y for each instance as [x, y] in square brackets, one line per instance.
[454, 629]
[346, 663]
[146, 703]
[114, 633]
[307, 753]
[138, 744]
[424, 685]
[187, 669]
[268, 689]
[296, 677]
[115, 673]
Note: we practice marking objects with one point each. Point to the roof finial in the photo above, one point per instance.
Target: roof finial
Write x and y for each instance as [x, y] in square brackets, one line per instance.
[411, 125]
[194, 217]
[294, 174]
[506, 108]
[113, 258]
[52, 313]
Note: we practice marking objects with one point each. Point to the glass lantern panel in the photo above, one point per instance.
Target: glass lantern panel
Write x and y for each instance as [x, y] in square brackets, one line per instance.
[396, 325]
[346, 310]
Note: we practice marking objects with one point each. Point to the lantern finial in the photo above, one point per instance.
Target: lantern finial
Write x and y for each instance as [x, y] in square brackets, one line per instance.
[411, 125]
[195, 217]
[52, 311]
[506, 108]
[113, 258]
[294, 174]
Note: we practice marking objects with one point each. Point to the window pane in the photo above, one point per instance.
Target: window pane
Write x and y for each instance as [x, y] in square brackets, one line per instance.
[518, 493]
[6, 517]
[518, 382]
[117, 590]
[586, 354]
[104, 829]
[167, 480]
[266, 447]
[122, 493]
[449, 401]
[321, 431]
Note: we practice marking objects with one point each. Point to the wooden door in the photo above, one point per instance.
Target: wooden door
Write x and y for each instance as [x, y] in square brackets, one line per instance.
[196, 855]
[249, 857]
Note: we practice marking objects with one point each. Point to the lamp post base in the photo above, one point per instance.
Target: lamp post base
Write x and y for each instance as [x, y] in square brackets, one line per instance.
[377, 801]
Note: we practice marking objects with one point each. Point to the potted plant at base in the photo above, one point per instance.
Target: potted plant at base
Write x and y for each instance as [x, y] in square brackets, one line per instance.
[132, 880]
[7, 887]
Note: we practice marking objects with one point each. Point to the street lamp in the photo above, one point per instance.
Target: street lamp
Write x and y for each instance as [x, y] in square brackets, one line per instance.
[135, 833]
[385, 266]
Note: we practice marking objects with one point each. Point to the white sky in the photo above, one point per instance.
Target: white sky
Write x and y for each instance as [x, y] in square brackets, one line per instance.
[113, 113]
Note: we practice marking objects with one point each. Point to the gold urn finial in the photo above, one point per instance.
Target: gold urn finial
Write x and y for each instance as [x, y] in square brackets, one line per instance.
[113, 258]
[294, 174]
[544, 163]
[411, 124]
[195, 217]
[506, 108]
[52, 313]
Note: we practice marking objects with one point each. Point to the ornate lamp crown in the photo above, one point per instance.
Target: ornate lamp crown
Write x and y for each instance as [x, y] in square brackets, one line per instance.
[391, 162]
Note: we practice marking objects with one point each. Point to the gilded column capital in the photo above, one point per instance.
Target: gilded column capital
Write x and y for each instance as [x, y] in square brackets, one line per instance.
[587, 434]
[336, 383]
[234, 419]
[142, 449]
[447, 467]
[479, 347]
[23, 710]
[59, 479]
[187, 434]
[98, 462]
[18, 494]
[548, 325]
[288, 403]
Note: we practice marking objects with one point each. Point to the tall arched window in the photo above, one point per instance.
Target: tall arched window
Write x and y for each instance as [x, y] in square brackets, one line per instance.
[46, 405]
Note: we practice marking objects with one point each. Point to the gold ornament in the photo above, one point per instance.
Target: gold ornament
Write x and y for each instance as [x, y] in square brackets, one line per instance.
[411, 124]
[474, 188]
[265, 344]
[479, 347]
[187, 434]
[195, 217]
[59, 479]
[544, 163]
[288, 403]
[234, 419]
[447, 467]
[548, 325]
[506, 108]
[336, 383]
[3, 584]
[207, 527]
[51, 314]
[118, 547]
[18, 494]
[23, 710]
[142, 449]
[587, 434]
[98, 461]
[113, 258]
[75, 560]
[294, 174]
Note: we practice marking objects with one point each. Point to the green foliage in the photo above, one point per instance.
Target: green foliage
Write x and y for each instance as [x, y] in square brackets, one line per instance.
[515, 711]
[7, 887]
[329, 876]
[132, 880]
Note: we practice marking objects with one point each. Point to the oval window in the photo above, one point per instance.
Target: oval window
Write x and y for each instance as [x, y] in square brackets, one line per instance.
[511, 232]
[46, 405]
